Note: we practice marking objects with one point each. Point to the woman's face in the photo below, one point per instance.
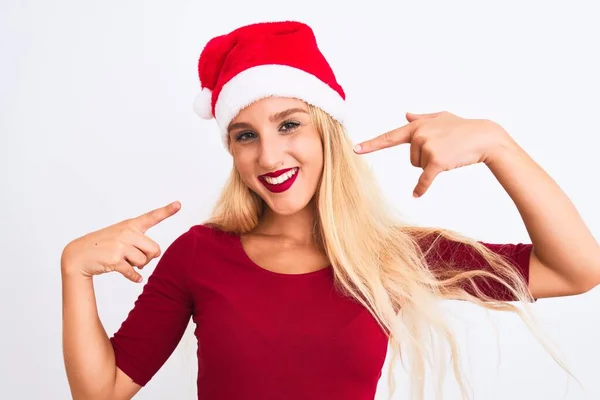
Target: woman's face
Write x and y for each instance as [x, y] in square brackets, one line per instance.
[278, 152]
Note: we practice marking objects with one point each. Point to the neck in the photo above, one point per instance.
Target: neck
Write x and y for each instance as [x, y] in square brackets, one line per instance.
[295, 228]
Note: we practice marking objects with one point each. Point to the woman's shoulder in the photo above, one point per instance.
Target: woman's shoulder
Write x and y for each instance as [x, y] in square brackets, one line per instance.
[198, 245]
[209, 232]
[210, 238]
[197, 237]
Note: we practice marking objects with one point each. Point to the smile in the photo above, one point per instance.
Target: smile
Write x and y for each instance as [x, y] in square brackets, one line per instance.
[279, 181]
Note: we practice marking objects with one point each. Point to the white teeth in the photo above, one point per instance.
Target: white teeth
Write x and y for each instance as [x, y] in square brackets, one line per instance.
[281, 178]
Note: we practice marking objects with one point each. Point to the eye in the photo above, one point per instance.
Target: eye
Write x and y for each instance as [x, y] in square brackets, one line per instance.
[289, 126]
[244, 136]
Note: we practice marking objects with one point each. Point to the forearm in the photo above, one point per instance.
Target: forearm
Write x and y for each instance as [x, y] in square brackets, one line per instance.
[88, 354]
[560, 238]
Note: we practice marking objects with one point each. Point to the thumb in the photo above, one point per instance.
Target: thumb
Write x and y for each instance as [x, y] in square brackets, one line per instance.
[425, 180]
[410, 117]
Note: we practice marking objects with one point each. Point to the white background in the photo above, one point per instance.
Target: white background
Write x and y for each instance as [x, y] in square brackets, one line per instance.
[97, 125]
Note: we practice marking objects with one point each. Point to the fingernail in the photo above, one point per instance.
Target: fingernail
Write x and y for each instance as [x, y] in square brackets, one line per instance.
[357, 148]
[415, 194]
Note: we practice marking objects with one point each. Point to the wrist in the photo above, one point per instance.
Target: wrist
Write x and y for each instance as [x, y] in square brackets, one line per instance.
[70, 268]
[503, 147]
[73, 273]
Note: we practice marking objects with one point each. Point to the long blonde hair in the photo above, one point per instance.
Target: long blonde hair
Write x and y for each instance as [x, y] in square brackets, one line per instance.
[381, 262]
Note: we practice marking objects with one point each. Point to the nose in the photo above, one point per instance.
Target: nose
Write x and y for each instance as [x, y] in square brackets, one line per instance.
[271, 153]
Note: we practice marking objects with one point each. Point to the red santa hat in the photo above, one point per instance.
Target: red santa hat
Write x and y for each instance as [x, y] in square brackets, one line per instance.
[261, 60]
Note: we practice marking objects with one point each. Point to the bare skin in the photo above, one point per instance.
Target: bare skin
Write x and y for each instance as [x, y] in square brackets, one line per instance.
[282, 241]
[88, 354]
[277, 133]
[262, 142]
[565, 260]
[282, 256]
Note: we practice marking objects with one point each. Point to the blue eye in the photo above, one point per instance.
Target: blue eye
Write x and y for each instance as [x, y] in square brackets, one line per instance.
[289, 126]
[241, 137]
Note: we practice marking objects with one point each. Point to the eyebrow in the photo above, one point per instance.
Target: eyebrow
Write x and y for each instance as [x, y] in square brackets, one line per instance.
[278, 116]
[282, 114]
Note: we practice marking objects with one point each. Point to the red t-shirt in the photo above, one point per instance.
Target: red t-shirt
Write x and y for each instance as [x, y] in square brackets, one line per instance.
[261, 334]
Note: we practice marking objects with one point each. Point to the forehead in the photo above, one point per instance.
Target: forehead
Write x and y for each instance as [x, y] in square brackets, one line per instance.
[264, 108]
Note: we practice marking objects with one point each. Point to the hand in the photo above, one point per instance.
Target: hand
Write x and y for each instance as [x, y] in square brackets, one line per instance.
[118, 247]
[440, 142]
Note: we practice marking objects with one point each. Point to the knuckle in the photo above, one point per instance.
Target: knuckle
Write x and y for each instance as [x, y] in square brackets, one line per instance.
[435, 161]
[419, 139]
[128, 224]
[128, 273]
[144, 260]
[428, 148]
[137, 260]
[128, 229]
[117, 254]
[126, 232]
[113, 261]
[387, 138]
[119, 247]
[414, 158]
[109, 267]
[152, 215]
[418, 124]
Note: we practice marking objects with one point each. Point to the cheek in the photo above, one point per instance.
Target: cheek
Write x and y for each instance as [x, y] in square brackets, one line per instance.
[245, 166]
[309, 152]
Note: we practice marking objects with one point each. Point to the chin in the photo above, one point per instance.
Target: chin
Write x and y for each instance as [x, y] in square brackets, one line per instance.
[284, 208]
[288, 202]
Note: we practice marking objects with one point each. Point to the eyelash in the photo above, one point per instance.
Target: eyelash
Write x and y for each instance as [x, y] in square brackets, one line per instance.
[292, 125]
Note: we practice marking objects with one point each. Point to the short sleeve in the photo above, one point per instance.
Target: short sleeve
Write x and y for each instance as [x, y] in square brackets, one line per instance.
[157, 322]
[461, 257]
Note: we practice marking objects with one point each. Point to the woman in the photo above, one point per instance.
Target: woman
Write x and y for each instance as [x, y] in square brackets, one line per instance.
[303, 275]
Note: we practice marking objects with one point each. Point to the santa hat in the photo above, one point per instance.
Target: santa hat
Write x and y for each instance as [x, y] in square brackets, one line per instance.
[260, 60]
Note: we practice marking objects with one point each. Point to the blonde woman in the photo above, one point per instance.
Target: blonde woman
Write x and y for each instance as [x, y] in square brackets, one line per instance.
[303, 275]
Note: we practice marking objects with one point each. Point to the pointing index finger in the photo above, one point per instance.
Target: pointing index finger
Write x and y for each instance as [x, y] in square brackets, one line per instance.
[153, 217]
[388, 139]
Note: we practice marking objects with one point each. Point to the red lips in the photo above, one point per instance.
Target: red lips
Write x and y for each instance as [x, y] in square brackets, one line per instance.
[279, 187]
[277, 173]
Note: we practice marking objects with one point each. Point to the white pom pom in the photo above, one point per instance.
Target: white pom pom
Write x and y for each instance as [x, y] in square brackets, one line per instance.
[202, 104]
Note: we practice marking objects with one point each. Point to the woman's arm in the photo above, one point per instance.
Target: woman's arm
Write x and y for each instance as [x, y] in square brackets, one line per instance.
[89, 357]
[93, 364]
[566, 258]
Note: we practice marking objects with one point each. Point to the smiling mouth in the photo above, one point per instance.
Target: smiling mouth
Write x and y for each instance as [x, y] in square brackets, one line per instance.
[279, 177]
[279, 181]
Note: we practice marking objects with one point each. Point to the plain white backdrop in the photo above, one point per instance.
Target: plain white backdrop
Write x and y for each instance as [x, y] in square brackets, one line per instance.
[97, 126]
